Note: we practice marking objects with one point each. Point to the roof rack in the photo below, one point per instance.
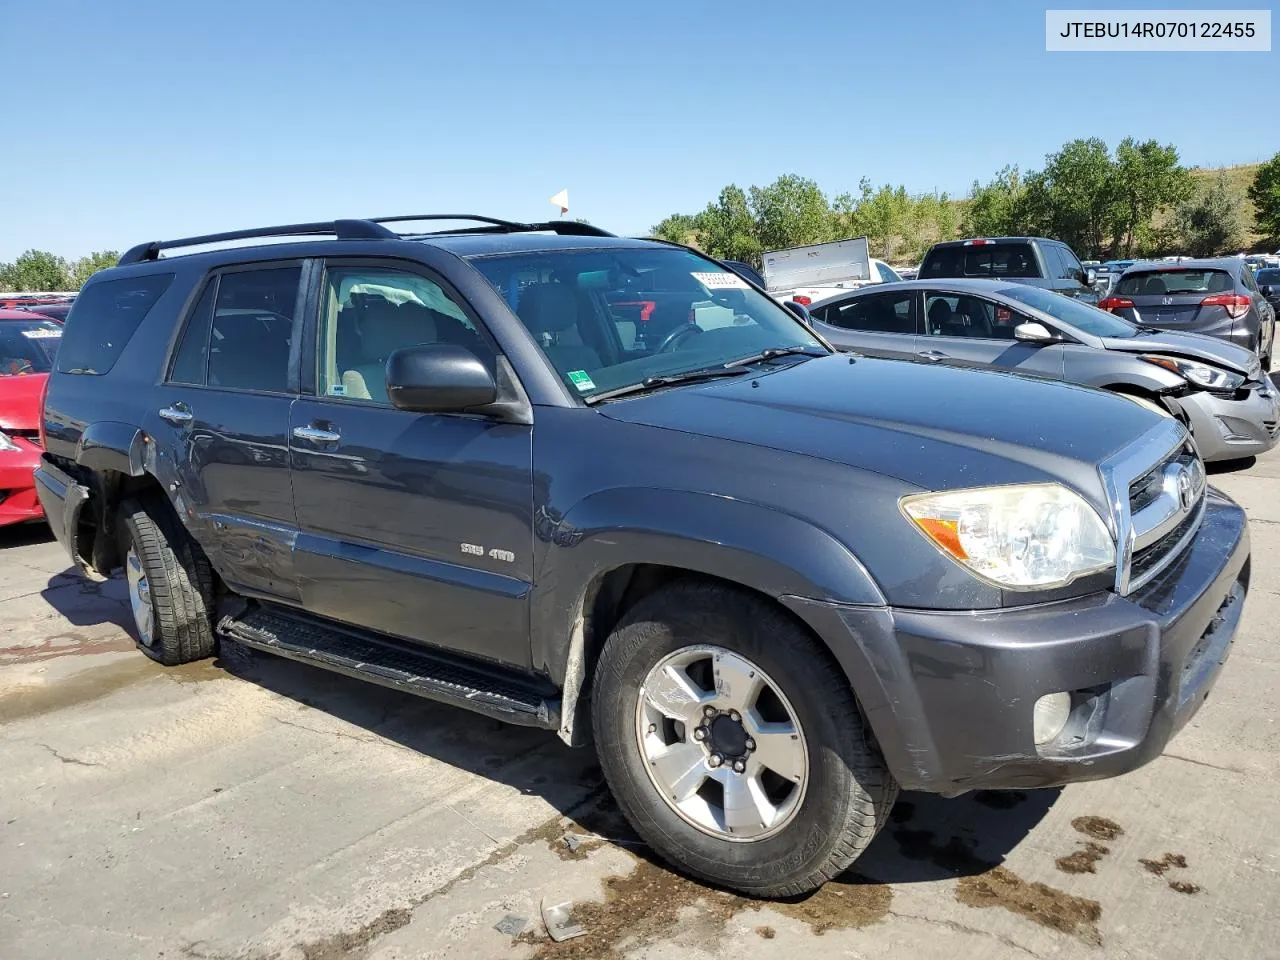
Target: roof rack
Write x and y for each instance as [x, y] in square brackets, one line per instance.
[368, 229]
[342, 229]
[570, 228]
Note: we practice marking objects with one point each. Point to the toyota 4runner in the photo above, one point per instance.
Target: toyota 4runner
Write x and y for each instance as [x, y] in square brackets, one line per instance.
[769, 582]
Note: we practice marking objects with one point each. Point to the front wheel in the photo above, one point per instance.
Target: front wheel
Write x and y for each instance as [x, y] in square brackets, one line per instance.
[733, 744]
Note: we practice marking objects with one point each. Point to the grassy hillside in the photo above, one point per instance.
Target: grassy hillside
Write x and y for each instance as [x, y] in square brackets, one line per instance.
[1240, 177]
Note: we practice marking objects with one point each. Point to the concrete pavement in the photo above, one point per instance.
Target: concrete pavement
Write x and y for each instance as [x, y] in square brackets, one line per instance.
[256, 808]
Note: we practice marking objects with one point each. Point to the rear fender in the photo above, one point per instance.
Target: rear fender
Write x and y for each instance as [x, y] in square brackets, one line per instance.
[110, 445]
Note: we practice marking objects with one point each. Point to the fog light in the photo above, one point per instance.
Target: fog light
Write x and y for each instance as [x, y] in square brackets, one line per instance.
[1050, 716]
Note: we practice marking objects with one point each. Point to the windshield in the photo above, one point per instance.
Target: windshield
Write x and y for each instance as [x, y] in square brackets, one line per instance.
[28, 346]
[1079, 315]
[613, 318]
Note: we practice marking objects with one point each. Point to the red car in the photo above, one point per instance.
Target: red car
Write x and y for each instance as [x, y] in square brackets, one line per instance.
[28, 343]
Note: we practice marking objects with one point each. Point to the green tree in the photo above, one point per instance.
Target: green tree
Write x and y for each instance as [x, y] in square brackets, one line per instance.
[81, 270]
[678, 228]
[1212, 220]
[1265, 194]
[728, 228]
[37, 270]
[1074, 199]
[994, 208]
[789, 212]
[1146, 178]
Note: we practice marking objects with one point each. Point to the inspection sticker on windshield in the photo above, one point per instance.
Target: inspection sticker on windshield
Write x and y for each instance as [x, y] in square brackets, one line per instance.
[580, 380]
[721, 281]
[41, 334]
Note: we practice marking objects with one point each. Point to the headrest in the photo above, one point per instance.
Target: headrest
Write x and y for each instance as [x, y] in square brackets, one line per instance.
[385, 328]
[548, 308]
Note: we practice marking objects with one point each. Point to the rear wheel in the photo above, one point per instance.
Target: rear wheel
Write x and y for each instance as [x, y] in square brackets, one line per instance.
[170, 583]
[733, 744]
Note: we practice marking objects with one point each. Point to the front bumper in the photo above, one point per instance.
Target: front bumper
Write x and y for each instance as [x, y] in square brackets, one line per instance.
[18, 502]
[1229, 429]
[949, 696]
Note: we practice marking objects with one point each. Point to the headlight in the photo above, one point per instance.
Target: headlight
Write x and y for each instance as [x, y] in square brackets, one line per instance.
[7, 445]
[1201, 374]
[1024, 537]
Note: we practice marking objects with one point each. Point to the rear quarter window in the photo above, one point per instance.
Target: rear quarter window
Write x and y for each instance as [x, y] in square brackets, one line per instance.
[105, 317]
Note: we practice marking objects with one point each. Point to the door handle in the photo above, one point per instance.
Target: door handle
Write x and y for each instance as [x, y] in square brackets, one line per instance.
[934, 355]
[177, 414]
[317, 435]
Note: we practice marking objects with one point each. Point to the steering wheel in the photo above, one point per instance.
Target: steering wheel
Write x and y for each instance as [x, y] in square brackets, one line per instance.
[677, 336]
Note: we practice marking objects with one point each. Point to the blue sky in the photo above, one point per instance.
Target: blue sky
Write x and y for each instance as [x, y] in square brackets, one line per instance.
[161, 119]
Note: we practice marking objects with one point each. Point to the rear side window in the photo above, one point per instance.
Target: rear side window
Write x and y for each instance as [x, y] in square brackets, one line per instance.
[252, 329]
[191, 361]
[104, 318]
[1000, 260]
[1174, 283]
[877, 313]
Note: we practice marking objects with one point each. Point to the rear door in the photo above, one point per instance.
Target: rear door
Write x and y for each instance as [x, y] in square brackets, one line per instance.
[417, 525]
[223, 409]
[962, 330]
[876, 324]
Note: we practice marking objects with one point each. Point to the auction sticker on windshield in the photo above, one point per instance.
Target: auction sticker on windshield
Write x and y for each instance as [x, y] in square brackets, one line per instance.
[580, 380]
[41, 333]
[721, 281]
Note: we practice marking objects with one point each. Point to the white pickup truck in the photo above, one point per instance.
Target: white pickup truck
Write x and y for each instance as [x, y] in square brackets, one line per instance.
[812, 273]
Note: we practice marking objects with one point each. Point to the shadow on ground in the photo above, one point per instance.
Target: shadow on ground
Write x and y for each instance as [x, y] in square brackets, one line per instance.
[1229, 466]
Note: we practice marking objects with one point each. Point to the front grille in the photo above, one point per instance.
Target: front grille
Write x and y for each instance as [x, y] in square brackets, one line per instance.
[1146, 559]
[1166, 504]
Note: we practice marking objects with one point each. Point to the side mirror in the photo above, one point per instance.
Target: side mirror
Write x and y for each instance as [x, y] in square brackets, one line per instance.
[1267, 290]
[800, 310]
[1033, 332]
[438, 378]
[1090, 277]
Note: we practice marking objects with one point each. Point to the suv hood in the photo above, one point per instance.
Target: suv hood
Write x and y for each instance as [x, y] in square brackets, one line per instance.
[933, 427]
[1193, 346]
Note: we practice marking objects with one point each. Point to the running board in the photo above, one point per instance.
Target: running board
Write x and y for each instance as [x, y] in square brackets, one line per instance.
[436, 675]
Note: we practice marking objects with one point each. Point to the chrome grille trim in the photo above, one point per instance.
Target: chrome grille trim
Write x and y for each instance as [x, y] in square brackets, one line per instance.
[1152, 451]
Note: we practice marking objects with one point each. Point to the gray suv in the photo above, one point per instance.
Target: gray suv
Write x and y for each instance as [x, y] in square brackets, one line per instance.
[1218, 389]
[770, 582]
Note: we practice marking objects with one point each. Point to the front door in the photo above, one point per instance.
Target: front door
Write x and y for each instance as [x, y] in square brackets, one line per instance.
[415, 525]
[968, 331]
[223, 409]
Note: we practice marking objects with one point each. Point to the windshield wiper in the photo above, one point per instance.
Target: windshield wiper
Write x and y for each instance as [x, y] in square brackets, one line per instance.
[808, 351]
[666, 380]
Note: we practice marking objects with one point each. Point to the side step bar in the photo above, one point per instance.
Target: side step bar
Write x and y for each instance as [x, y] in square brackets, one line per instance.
[491, 690]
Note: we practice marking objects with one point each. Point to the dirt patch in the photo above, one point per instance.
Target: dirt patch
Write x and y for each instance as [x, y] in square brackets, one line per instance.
[1161, 867]
[346, 944]
[70, 644]
[33, 700]
[1000, 799]
[1083, 860]
[766, 933]
[841, 904]
[1051, 908]
[1183, 887]
[1098, 828]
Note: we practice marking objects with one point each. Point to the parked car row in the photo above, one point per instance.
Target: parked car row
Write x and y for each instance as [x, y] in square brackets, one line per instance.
[772, 583]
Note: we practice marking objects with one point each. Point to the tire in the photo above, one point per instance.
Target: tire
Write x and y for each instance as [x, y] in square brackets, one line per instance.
[163, 562]
[847, 791]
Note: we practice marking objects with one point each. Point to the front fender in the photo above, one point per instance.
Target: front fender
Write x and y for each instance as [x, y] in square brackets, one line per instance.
[757, 546]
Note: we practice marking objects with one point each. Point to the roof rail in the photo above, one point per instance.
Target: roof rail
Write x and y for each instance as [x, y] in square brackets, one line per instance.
[570, 228]
[342, 229]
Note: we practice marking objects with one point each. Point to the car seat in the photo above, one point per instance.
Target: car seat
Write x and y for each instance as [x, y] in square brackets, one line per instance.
[550, 313]
[384, 330]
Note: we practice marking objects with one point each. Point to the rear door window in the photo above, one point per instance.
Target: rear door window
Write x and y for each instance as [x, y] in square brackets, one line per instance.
[1174, 283]
[877, 313]
[104, 318]
[252, 329]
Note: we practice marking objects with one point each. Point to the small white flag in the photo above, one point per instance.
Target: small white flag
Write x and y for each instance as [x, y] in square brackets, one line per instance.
[561, 200]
